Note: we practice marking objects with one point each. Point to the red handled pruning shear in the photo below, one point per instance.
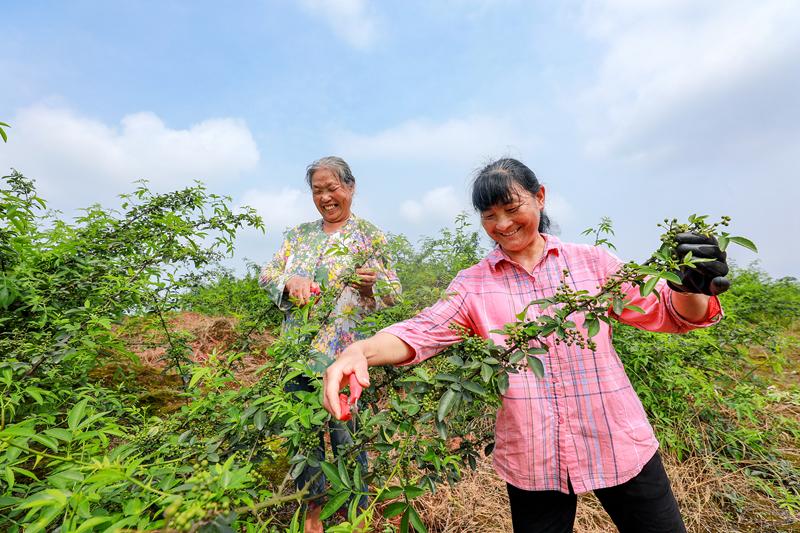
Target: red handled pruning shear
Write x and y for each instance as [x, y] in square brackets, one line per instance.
[348, 406]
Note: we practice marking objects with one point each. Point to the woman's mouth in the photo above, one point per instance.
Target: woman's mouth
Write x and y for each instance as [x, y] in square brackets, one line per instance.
[509, 234]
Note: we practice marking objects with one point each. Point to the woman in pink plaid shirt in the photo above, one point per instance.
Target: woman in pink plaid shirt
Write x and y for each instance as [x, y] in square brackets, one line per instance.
[581, 427]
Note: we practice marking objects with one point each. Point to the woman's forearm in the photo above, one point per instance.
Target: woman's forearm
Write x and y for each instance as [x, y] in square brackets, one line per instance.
[692, 307]
[385, 349]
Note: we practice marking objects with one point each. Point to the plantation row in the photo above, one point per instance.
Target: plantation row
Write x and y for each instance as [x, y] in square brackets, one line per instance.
[86, 444]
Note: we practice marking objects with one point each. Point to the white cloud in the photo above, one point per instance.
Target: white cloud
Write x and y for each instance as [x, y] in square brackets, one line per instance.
[676, 67]
[281, 209]
[456, 140]
[437, 205]
[351, 20]
[68, 153]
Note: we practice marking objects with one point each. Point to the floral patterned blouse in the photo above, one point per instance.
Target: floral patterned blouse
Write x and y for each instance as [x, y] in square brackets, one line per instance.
[309, 252]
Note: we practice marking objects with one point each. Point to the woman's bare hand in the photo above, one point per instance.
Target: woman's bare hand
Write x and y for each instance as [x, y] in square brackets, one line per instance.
[366, 281]
[352, 361]
[300, 290]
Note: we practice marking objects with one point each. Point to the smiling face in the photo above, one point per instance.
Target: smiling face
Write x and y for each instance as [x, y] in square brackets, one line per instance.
[515, 225]
[331, 196]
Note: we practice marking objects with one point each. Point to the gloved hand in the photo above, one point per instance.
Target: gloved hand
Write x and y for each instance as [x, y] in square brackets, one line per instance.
[709, 276]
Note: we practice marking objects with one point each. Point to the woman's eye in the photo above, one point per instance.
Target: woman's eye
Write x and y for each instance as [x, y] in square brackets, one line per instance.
[512, 209]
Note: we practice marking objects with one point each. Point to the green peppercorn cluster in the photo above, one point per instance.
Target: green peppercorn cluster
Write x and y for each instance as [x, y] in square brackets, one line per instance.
[696, 225]
[430, 401]
[200, 503]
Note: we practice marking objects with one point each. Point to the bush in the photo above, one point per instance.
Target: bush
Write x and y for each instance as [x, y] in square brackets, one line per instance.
[88, 456]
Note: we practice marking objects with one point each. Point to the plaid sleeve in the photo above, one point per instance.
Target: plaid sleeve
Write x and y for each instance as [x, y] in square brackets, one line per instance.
[429, 332]
[659, 313]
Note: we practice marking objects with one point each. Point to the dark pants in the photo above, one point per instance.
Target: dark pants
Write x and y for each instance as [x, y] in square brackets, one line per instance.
[340, 437]
[645, 504]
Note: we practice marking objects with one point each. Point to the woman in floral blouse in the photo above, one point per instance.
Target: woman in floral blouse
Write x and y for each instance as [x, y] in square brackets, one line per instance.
[326, 250]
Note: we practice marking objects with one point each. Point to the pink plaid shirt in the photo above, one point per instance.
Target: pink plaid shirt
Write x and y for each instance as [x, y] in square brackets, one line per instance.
[582, 421]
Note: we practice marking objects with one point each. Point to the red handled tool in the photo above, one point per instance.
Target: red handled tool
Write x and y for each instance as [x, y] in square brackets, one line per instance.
[349, 405]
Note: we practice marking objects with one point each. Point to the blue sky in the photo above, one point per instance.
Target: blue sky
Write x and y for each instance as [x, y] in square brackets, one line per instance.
[629, 109]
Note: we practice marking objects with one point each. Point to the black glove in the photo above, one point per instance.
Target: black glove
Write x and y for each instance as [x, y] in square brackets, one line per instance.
[709, 276]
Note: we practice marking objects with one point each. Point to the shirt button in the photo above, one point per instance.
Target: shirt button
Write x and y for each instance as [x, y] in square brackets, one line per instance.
[560, 420]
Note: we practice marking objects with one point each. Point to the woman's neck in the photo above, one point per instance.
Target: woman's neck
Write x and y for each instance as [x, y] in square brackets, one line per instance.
[530, 256]
[333, 227]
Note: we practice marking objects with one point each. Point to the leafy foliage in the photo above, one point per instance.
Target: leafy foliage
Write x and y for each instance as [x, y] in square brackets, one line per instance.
[82, 456]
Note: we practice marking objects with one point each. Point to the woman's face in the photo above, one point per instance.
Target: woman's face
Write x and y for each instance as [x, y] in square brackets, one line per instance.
[515, 225]
[332, 197]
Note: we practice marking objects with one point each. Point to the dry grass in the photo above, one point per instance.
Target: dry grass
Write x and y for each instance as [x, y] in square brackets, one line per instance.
[142, 367]
[209, 334]
[479, 503]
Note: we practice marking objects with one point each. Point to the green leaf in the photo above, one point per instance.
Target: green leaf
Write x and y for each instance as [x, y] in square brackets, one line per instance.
[618, 305]
[35, 393]
[45, 498]
[416, 521]
[723, 241]
[93, 521]
[516, 357]
[259, 419]
[473, 387]
[332, 473]
[502, 383]
[671, 276]
[198, 374]
[46, 441]
[648, 286]
[412, 491]
[19, 430]
[446, 403]
[9, 478]
[456, 361]
[537, 350]
[486, 372]
[333, 504]
[536, 366]
[394, 509]
[747, 243]
[391, 493]
[635, 308]
[106, 476]
[592, 327]
[75, 414]
[404, 521]
[26, 473]
[343, 473]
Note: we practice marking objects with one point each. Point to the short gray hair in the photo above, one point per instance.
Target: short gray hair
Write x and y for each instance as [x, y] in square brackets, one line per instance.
[337, 165]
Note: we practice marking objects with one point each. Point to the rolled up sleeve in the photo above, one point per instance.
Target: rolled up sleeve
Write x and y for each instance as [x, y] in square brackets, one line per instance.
[659, 314]
[430, 332]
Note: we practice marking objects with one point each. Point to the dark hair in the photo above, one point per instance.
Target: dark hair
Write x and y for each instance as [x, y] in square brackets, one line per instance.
[337, 165]
[495, 185]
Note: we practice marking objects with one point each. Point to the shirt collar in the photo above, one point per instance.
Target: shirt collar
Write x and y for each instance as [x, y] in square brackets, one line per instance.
[348, 225]
[552, 244]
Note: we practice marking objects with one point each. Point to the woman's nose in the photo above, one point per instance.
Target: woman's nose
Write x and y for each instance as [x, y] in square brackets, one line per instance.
[503, 223]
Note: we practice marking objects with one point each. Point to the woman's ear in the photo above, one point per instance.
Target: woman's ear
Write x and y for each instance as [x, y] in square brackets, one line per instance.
[540, 197]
